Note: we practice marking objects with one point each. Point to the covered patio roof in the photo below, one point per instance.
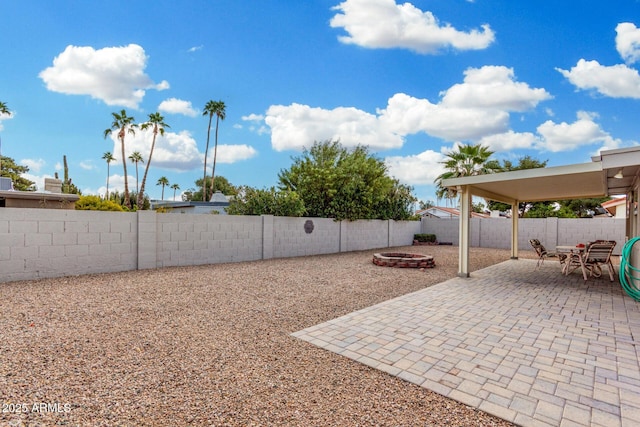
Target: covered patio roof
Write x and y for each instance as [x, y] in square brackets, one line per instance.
[583, 180]
[613, 172]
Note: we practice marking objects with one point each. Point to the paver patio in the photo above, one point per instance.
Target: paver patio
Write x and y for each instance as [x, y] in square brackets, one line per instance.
[526, 344]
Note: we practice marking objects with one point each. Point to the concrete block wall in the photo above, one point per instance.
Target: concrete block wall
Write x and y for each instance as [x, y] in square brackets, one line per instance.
[587, 230]
[207, 239]
[491, 233]
[496, 232]
[543, 229]
[446, 230]
[290, 238]
[401, 232]
[365, 234]
[39, 243]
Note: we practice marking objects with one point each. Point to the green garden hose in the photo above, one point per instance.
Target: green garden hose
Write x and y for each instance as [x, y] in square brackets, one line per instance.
[629, 275]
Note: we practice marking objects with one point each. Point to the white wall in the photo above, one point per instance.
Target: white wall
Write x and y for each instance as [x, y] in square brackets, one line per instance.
[39, 243]
[496, 232]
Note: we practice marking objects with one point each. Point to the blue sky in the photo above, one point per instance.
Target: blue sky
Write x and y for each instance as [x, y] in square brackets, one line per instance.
[556, 80]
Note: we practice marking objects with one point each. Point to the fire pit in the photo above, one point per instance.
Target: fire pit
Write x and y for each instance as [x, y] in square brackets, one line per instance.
[403, 260]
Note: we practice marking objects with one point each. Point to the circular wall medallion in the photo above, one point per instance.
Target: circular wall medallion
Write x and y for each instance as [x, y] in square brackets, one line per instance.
[308, 226]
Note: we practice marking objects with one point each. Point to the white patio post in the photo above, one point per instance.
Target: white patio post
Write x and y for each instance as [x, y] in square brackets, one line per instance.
[515, 214]
[463, 245]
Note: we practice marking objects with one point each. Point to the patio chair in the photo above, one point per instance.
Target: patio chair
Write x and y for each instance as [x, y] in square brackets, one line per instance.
[544, 253]
[598, 254]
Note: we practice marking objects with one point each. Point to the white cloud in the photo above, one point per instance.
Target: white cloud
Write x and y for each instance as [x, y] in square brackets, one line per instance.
[419, 169]
[617, 81]
[569, 136]
[177, 106]
[628, 42]
[493, 87]
[37, 179]
[34, 165]
[195, 48]
[253, 118]
[297, 126]
[509, 140]
[87, 165]
[257, 125]
[476, 108]
[233, 153]
[174, 151]
[406, 115]
[385, 24]
[114, 75]
[116, 183]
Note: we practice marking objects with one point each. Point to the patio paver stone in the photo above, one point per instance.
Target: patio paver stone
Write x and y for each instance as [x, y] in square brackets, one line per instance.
[526, 344]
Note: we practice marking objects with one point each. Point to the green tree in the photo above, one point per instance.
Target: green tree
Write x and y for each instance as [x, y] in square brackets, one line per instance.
[344, 184]
[136, 158]
[547, 210]
[222, 184]
[14, 171]
[525, 162]
[118, 197]
[175, 187]
[465, 160]
[426, 205]
[123, 124]
[582, 208]
[156, 121]
[251, 201]
[477, 207]
[399, 202]
[108, 157]
[164, 182]
[218, 109]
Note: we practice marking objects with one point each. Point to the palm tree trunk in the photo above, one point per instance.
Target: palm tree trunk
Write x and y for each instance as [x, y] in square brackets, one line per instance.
[146, 171]
[206, 152]
[107, 195]
[215, 155]
[127, 201]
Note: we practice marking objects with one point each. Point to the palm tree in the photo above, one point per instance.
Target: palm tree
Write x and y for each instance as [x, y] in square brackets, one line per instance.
[109, 158]
[211, 108]
[220, 115]
[157, 122]
[136, 158]
[4, 109]
[468, 160]
[174, 187]
[123, 124]
[163, 181]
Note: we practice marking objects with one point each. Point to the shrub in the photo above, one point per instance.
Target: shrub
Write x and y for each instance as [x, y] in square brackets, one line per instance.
[425, 238]
[95, 203]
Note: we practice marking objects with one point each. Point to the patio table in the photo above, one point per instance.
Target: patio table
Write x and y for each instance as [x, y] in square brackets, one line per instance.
[573, 250]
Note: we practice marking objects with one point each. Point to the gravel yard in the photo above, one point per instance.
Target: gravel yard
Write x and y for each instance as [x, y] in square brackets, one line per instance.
[211, 345]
